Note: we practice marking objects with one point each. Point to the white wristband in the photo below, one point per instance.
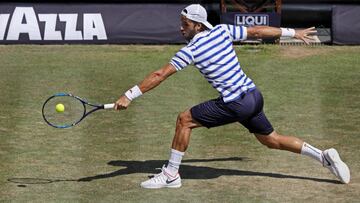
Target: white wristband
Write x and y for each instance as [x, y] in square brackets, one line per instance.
[287, 32]
[133, 93]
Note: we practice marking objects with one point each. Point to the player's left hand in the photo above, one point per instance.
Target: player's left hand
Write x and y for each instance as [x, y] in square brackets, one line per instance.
[122, 103]
[305, 35]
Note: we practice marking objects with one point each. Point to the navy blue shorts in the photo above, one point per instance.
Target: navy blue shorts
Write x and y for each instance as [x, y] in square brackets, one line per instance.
[247, 110]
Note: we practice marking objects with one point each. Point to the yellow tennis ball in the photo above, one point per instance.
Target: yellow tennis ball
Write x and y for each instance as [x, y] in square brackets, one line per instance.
[60, 108]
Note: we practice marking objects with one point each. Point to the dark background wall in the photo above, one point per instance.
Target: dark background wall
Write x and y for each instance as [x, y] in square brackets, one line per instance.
[295, 13]
[305, 13]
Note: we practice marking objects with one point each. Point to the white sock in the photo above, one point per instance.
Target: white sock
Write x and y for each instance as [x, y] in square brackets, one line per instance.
[312, 152]
[174, 161]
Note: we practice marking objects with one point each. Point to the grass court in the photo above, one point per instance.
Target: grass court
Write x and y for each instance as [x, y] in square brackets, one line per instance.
[310, 91]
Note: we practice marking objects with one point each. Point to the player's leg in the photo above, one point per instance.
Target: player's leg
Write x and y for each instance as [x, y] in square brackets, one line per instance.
[169, 176]
[209, 114]
[277, 141]
[328, 158]
[289, 143]
[264, 132]
[184, 124]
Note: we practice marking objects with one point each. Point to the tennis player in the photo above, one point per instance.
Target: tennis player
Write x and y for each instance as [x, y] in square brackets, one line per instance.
[211, 50]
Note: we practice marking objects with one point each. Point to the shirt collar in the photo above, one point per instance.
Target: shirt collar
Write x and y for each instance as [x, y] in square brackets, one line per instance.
[198, 35]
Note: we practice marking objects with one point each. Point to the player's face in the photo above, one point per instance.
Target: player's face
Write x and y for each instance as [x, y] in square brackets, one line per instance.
[188, 28]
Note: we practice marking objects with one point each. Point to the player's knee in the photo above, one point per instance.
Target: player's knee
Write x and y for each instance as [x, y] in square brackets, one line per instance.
[270, 141]
[184, 119]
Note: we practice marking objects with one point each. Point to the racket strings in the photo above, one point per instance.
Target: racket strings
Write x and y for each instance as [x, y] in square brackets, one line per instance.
[73, 111]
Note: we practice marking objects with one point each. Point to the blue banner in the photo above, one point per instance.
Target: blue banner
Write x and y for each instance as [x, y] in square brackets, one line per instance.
[22, 23]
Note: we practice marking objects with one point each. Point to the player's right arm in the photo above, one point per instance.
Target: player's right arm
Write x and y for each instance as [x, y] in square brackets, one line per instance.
[150, 81]
[156, 77]
[181, 60]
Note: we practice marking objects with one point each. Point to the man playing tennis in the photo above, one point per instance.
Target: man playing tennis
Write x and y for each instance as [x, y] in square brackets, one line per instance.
[210, 49]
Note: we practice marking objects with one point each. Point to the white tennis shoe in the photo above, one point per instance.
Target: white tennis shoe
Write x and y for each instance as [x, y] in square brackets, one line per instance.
[163, 179]
[332, 161]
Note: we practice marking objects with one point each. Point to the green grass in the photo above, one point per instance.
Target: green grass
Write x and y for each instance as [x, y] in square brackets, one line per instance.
[310, 92]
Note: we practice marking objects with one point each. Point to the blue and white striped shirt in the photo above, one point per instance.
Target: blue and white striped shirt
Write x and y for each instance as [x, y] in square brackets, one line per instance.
[212, 52]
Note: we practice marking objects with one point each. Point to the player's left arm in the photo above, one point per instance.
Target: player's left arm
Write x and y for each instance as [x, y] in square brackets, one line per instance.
[264, 32]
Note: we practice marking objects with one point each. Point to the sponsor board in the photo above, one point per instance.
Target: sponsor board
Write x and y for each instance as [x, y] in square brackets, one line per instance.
[251, 19]
[40, 26]
[83, 23]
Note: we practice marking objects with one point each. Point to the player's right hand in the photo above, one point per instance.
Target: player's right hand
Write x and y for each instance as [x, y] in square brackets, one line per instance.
[122, 103]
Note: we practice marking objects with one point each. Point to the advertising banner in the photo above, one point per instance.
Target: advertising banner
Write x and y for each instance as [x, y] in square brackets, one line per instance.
[251, 19]
[26, 23]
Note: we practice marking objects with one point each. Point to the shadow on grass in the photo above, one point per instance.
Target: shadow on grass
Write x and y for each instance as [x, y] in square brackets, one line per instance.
[186, 171]
[193, 172]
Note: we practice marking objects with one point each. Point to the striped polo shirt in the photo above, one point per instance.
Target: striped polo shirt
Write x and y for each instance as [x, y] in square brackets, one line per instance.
[212, 53]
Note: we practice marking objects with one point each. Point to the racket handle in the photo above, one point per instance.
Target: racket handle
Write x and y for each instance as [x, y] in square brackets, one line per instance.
[109, 106]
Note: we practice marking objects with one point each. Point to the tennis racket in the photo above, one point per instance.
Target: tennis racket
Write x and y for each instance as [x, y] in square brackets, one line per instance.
[73, 110]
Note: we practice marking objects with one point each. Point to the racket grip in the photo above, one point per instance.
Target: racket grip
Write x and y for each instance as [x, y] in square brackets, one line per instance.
[109, 106]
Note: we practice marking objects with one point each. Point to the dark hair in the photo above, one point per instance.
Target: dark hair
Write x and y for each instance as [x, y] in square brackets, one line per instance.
[203, 27]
